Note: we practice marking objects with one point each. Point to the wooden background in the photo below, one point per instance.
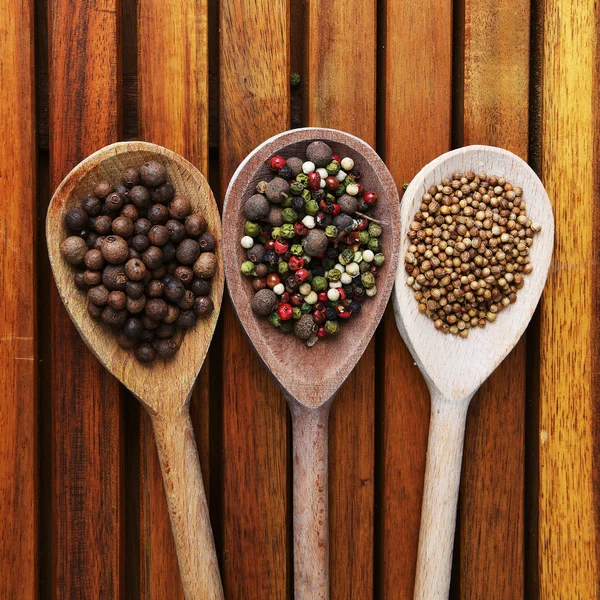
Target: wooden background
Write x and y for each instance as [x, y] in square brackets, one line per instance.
[82, 511]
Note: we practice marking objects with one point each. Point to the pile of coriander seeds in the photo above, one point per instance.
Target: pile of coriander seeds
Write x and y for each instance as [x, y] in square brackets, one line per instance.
[144, 258]
[469, 250]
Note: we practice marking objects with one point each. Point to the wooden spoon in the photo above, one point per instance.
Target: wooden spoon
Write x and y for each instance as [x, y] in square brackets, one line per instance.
[164, 388]
[309, 377]
[454, 367]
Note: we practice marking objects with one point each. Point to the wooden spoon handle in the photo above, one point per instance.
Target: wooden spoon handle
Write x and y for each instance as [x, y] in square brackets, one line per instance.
[187, 506]
[440, 498]
[311, 510]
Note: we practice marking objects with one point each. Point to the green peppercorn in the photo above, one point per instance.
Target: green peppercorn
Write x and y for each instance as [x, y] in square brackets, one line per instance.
[251, 229]
[296, 313]
[379, 259]
[346, 257]
[363, 267]
[332, 327]
[375, 229]
[331, 231]
[311, 208]
[319, 284]
[297, 249]
[289, 215]
[368, 280]
[305, 307]
[248, 268]
[328, 263]
[286, 202]
[358, 257]
[364, 237]
[263, 239]
[274, 319]
[276, 232]
[302, 178]
[333, 275]
[306, 196]
[333, 168]
[330, 197]
[283, 268]
[340, 191]
[287, 231]
[297, 188]
[374, 244]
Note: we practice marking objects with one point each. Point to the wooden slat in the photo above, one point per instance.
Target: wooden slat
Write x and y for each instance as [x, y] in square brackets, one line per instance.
[496, 103]
[335, 99]
[417, 39]
[254, 86]
[18, 349]
[86, 415]
[173, 112]
[568, 425]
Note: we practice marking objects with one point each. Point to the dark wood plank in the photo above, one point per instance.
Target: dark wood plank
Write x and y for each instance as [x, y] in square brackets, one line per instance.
[86, 408]
[416, 127]
[254, 86]
[568, 442]
[18, 335]
[335, 100]
[173, 112]
[496, 112]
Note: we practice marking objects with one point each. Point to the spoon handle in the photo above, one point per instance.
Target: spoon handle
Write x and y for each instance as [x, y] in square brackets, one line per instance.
[187, 506]
[440, 497]
[310, 501]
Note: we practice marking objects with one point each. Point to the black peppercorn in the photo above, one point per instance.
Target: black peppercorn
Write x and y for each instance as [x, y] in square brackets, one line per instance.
[91, 205]
[113, 317]
[140, 196]
[188, 251]
[158, 214]
[103, 225]
[298, 204]
[156, 309]
[145, 353]
[152, 257]
[114, 202]
[330, 314]
[131, 176]
[195, 225]
[163, 194]
[187, 319]
[174, 290]
[122, 226]
[158, 235]
[94, 311]
[285, 172]
[164, 331]
[166, 348]
[152, 173]
[103, 188]
[355, 307]
[114, 277]
[203, 306]
[200, 287]
[176, 231]
[180, 208]
[155, 288]
[76, 219]
[271, 258]
[133, 328]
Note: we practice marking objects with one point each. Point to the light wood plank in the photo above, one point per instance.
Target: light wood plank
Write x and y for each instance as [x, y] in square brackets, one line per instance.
[173, 112]
[87, 419]
[335, 99]
[568, 517]
[416, 128]
[18, 334]
[254, 87]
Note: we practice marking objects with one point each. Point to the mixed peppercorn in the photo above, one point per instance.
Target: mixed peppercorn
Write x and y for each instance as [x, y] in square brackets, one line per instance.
[312, 245]
[144, 258]
[469, 250]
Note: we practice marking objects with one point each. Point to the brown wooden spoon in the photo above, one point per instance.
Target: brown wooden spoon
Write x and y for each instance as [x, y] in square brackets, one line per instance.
[309, 377]
[164, 387]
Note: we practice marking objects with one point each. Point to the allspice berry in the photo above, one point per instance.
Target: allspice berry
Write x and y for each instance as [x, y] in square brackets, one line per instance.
[140, 196]
[122, 226]
[91, 278]
[155, 288]
[145, 353]
[117, 300]
[263, 302]
[187, 300]
[91, 205]
[195, 225]
[304, 327]
[132, 328]
[295, 164]
[152, 173]
[184, 274]
[134, 289]
[180, 207]
[94, 311]
[115, 249]
[152, 257]
[158, 214]
[103, 225]
[256, 207]
[164, 331]
[135, 306]
[277, 190]
[163, 194]
[156, 309]
[76, 219]
[275, 216]
[319, 153]
[135, 269]
[98, 295]
[176, 230]
[114, 277]
[140, 243]
[205, 265]
[74, 249]
[348, 204]
[114, 202]
[172, 314]
[94, 260]
[131, 177]
[142, 226]
[166, 348]
[200, 287]
[158, 235]
[315, 242]
[343, 221]
[187, 319]
[113, 317]
[207, 242]
[203, 306]
[188, 251]
[130, 211]
[174, 290]
[103, 188]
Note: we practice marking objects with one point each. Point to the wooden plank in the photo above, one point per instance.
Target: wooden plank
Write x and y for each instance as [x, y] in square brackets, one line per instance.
[255, 104]
[173, 112]
[416, 106]
[86, 416]
[18, 347]
[335, 99]
[496, 112]
[568, 425]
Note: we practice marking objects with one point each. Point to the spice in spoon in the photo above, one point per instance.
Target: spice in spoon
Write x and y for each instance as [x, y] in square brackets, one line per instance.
[469, 250]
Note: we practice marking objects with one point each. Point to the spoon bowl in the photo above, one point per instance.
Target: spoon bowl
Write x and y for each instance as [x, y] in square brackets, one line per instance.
[164, 388]
[326, 365]
[454, 367]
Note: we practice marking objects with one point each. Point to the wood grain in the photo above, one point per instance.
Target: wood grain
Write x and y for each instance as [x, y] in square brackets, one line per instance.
[491, 512]
[254, 88]
[173, 112]
[86, 415]
[417, 65]
[335, 99]
[568, 510]
[19, 559]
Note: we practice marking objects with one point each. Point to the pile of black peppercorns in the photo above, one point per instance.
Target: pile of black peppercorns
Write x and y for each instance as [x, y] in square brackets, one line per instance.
[145, 259]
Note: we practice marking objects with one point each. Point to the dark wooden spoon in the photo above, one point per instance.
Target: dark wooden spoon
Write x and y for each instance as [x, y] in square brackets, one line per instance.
[165, 387]
[310, 377]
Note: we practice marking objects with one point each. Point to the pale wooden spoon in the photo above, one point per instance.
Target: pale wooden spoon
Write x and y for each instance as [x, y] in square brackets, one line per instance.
[164, 388]
[454, 367]
[309, 377]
